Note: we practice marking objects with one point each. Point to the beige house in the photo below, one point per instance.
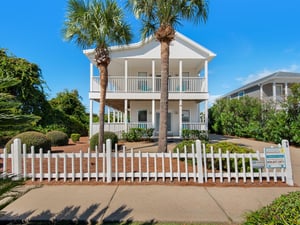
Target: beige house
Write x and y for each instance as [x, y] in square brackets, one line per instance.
[274, 87]
[133, 91]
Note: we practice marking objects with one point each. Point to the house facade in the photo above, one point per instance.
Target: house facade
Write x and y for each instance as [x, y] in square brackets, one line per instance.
[133, 92]
[272, 88]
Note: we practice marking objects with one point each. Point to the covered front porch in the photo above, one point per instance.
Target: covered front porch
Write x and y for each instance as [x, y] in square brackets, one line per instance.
[145, 114]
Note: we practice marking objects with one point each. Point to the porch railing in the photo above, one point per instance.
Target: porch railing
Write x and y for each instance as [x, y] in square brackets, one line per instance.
[118, 128]
[145, 84]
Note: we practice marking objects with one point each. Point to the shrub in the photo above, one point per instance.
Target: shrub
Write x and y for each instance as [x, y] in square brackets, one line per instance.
[224, 146]
[283, 210]
[149, 132]
[231, 148]
[32, 138]
[187, 143]
[107, 135]
[58, 138]
[195, 134]
[75, 137]
[134, 134]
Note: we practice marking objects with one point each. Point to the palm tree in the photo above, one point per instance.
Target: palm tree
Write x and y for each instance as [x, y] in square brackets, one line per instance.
[98, 24]
[159, 17]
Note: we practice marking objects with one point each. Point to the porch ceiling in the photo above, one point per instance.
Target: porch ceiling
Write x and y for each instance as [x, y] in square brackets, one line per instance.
[117, 66]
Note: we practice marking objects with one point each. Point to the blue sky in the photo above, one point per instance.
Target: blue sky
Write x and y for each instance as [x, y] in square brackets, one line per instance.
[252, 38]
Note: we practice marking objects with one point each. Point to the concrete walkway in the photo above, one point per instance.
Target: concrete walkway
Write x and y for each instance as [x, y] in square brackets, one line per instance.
[148, 203]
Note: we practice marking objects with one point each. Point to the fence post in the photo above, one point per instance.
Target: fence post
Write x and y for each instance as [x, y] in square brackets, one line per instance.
[16, 159]
[199, 161]
[288, 170]
[108, 161]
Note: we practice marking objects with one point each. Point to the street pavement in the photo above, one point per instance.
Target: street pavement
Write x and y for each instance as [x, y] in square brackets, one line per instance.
[148, 203]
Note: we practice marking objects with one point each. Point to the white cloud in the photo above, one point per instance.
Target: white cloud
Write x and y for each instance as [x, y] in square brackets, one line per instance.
[266, 72]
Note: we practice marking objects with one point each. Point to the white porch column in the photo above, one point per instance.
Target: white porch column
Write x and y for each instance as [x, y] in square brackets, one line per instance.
[286, 91]
[126, 74]
[206, 74]
[261, 92]
[108, 114]
[118, 116]
[91, 119]
[206, 115]
[153, 75]
[153, 113]
[274, 92]
[126, 114]
[180, 75]
[114, 116]
[180, 117]
[91, 76]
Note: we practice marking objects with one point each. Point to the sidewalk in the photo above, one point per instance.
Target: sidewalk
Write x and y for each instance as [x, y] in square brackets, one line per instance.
[145, 203]
[149, 203]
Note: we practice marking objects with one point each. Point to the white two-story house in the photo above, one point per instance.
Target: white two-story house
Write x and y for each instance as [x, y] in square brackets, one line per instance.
[133, 91]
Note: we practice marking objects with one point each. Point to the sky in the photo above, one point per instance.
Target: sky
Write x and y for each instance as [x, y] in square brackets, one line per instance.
[251, 39]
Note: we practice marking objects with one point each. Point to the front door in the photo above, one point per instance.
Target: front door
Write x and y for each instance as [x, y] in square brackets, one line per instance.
[157, 121]
[142, 119]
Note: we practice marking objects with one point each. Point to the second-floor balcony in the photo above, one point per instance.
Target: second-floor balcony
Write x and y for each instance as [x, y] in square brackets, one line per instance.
[119, 84]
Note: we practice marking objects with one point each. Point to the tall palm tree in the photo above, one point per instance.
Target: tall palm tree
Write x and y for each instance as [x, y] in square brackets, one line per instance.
[97, 24]
[160, 17]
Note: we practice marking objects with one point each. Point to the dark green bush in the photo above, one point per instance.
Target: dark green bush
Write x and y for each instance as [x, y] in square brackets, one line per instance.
[32, 138]
[58, 138]
[194, 135]
[134, 134]
[283, 210]
[75, 137]
[138, 134]
[107, 135]
[149, 132]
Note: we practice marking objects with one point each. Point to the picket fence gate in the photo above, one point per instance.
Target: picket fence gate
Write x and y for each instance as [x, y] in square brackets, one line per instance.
[199, 166]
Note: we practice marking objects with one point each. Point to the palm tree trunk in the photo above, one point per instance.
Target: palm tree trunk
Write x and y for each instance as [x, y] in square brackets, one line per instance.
[163, 126]
[103, 86]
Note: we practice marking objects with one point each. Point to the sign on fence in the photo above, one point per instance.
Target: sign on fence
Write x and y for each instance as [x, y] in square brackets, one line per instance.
[275, 157]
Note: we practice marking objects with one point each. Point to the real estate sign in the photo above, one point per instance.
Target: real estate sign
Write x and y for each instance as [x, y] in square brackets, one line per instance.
[275, 157]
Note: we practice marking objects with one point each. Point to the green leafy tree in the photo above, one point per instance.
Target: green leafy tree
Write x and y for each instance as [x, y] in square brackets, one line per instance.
[69, 102]
[159, 17]
[11, 117]
[30, 90]
[97, 24]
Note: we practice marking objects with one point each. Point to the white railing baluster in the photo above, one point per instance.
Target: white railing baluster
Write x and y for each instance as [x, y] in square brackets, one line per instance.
[171, 165]
[32, 164]
[56, 167]
[41, 164]
[81, 165]
[24, 162]
[49, 165]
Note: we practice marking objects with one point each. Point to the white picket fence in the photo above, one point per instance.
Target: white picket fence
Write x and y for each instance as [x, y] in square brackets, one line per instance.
[199, 166]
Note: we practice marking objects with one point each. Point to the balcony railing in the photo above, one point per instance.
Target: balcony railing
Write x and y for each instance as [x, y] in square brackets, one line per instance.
[146, 84]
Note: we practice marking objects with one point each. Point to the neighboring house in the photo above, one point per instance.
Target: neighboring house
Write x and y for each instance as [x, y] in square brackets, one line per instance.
[133, 92]
[272, 88]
